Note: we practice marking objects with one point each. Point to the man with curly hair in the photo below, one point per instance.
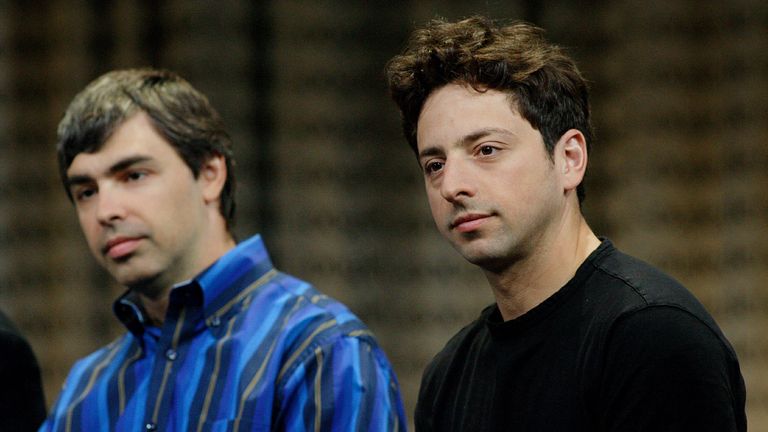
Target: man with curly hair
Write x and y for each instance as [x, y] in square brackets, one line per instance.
[581, 337]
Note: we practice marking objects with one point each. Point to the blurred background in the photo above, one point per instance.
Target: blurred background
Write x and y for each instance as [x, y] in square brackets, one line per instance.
[678, 174]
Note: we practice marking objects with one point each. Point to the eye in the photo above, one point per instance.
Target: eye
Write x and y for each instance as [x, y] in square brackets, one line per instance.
[487, 150]
[135, 175]
[83, 194]
[433, 166]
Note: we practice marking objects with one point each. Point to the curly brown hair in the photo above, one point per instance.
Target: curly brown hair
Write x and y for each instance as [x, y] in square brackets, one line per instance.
[544, 84]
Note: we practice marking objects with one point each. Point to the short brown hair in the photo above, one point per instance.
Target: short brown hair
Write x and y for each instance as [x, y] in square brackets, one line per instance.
[544, 84]
[179, 112]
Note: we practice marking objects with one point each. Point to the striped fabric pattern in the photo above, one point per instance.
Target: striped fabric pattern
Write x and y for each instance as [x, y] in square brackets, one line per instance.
[244, 347]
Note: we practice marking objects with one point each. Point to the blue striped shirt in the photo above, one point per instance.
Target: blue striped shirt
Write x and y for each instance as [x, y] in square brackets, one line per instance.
[243, 347]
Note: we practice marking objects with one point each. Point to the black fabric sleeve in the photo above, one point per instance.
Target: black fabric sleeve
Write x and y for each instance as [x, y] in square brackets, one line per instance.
[22, 405]
[667, 370]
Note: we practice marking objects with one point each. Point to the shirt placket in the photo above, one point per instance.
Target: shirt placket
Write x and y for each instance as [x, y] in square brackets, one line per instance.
[183, 310]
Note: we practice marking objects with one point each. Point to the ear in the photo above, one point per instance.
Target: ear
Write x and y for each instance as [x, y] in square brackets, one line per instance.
[571, 158]
[213, 175]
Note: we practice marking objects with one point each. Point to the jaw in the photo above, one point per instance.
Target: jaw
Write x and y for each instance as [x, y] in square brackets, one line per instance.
[136, 273]
[484, 251]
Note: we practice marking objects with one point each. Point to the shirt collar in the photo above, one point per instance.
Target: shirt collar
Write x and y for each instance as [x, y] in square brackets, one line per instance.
[219, 284]
[233, 272]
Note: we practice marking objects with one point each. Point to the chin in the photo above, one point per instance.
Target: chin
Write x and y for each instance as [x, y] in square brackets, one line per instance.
[487, 258]
[476, 256]
[486, 262]
[137, 281]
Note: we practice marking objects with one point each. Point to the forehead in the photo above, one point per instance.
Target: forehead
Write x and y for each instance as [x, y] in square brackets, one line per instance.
[136, 136]
[456, 110]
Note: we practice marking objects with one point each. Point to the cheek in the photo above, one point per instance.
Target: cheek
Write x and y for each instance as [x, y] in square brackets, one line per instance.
[92, 235]
[441, 211]
[86, 225]
[435, 200]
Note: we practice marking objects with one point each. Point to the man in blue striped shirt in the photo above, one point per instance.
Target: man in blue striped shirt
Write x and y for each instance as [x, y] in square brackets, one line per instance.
[217, 340]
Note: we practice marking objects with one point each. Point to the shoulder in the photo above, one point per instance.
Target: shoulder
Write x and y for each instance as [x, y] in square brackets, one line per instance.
[460, 351]
[652, 347]
[295, 310]
[12, 342]
[312, 321]
[447, 376]
[14, 348]
[469, 335]
[670, 332]
[672, 363]
[622, 283]
[633, 298]
[9, 335]
[327, 360]
[15, 351]
[109, 355]
[644, 280]
[86, 370]
[305, 309]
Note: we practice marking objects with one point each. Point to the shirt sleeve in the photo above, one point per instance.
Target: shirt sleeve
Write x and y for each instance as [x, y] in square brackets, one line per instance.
[666, 370]
[346, 385]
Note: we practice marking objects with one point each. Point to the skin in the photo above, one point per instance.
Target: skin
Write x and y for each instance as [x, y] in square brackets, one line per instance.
[145, 217]
[499, 198]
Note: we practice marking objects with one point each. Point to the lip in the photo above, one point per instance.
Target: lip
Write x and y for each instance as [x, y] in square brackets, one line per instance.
[120, 247]
[469, 222]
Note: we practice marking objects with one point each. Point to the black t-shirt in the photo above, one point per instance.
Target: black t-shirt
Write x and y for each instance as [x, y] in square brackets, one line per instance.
[621, 347]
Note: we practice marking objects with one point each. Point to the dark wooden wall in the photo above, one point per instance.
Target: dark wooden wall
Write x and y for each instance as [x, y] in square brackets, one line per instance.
[678, 175]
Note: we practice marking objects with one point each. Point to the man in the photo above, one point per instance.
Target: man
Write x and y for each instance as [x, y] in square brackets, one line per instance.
[22, 404]
[217, 338]
[581, 337]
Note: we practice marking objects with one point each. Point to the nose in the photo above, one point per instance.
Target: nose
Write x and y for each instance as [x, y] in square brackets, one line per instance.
[109, 206]
[457, 182]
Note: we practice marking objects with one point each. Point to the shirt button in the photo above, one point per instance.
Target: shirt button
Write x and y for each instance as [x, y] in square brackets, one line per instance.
[150, 427]
[170, 355]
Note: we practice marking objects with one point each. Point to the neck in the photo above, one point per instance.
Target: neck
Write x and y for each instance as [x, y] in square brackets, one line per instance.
[155, 308]
[155, 301]
[529, 281]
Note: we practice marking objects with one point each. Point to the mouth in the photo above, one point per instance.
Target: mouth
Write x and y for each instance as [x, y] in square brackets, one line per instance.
[120, 247]
[468, 222]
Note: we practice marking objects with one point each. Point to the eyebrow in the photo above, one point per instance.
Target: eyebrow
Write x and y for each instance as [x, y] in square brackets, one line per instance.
[120, 165]
[465, 140]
